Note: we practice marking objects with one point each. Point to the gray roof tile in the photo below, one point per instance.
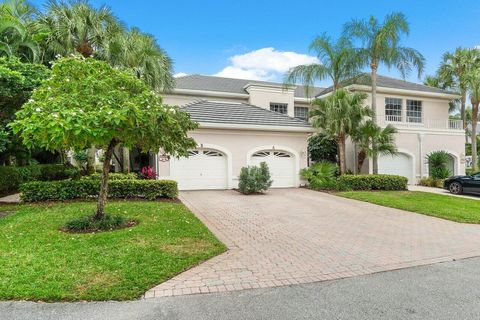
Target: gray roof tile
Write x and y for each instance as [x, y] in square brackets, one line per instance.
[220, 84]
[239, 113]
[387, 82]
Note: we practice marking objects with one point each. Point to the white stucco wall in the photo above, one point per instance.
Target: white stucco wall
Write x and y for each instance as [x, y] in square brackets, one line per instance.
[239, 144]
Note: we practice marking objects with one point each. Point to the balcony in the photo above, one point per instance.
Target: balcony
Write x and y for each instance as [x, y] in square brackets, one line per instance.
[419, 123]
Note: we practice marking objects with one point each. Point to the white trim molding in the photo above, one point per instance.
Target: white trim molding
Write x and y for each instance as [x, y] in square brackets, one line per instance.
[293, 152]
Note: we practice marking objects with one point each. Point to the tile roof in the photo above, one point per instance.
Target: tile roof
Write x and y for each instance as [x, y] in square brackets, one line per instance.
[239, 113]
[230, 85]
[387, 82]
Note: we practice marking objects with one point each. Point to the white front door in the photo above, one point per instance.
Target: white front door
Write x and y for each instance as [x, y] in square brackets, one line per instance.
[400, 164]
[281, 165]
[203, 169]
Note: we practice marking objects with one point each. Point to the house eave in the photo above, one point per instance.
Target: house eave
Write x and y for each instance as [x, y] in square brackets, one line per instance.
[251, 127]
[365, 88]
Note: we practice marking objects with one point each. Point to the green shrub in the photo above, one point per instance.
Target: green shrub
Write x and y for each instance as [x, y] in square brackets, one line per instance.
[89, 188]
[254, 179]
[113, 176]
[437, 164]
[87, 224]
[12, 177]
[373, 182]
[431, 182]
[320, 174]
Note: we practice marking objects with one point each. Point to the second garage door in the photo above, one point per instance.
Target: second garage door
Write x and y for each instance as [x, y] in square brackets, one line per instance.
[203, 169]
[401, 164]
[281, 165]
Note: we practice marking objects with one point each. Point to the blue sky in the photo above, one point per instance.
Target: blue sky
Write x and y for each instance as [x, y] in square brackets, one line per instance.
[203, 36]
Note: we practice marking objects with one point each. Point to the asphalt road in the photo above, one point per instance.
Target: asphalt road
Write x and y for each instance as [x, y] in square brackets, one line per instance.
[448, 290]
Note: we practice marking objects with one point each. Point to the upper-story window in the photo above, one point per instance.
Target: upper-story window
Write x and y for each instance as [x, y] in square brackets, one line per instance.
[414, 111]
[393, 109]
[279, 107]
[301, 113]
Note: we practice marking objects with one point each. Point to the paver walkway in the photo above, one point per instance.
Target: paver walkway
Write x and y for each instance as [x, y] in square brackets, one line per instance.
[441, 191]
[291, 236]
[13, 198]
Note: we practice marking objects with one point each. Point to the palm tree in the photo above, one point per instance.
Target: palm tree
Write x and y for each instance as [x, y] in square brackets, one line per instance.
[338, 116]
[381, 44]
[338, 63]
[18, 31]
[453, 72]
[373, 141]
[141, 54]
[473, 85]
[75, 26]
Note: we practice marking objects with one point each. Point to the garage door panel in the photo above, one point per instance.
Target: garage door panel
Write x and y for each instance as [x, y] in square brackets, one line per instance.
[281, 166]
[203, 169]
[400, 164]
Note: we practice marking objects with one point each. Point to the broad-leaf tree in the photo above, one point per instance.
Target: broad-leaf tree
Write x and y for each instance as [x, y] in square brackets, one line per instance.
[338, 63]
[87, 102]
[339, 116]
[373, 141]
[17, 81]
[381, 45]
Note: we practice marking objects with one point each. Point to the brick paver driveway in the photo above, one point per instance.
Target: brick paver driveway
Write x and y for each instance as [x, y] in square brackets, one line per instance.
[291, 236]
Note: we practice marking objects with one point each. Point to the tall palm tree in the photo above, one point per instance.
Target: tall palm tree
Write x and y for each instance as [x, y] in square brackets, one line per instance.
[453, 72]
[17, 31]
[381, 45]
[373, 141]
[473, 85]
[338, 116]
[338, 63]
[141, 54]
[76, 26]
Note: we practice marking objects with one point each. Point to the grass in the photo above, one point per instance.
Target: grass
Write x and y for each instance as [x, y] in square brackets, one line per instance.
[436, 205]
[40, 262]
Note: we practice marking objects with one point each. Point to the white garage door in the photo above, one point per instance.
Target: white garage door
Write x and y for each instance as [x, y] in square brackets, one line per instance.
[401, 164]
[203, 169]
[281, 165]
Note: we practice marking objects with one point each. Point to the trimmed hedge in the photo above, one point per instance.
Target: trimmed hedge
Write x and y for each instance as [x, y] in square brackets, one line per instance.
[373, 182]
[85, 188]
[12, 177]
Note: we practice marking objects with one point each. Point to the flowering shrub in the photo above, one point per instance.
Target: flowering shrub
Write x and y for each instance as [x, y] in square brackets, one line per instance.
[148, 173]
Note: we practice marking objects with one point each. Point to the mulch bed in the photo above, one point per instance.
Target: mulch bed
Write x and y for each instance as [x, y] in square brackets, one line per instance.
[127, 224]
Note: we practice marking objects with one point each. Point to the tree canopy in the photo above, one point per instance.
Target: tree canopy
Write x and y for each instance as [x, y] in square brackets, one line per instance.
[87, 102]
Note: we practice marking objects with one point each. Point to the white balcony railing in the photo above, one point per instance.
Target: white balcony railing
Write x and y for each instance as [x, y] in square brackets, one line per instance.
[399, 122]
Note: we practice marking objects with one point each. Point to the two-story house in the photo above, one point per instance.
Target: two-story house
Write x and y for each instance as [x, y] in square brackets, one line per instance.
[245, 122]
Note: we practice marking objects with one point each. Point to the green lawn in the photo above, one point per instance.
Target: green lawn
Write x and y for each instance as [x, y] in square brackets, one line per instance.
[39, 262]
[437, 205]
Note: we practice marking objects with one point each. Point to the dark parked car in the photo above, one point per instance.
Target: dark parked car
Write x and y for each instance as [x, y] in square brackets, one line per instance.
[463, 184]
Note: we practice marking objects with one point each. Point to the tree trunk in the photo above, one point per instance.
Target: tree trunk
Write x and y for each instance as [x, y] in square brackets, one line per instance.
[91, 160]
[102, 197]
[374, 108]
[474, 135]
[463, 114]
[341, 154]
[362, 155]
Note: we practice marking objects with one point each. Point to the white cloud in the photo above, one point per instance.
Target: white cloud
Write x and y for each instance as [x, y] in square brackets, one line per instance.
[264, 64]
[180, 74]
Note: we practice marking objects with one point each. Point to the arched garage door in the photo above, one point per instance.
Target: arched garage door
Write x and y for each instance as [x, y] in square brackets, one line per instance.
[400, 164]
[281, 165]
[203, 169]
